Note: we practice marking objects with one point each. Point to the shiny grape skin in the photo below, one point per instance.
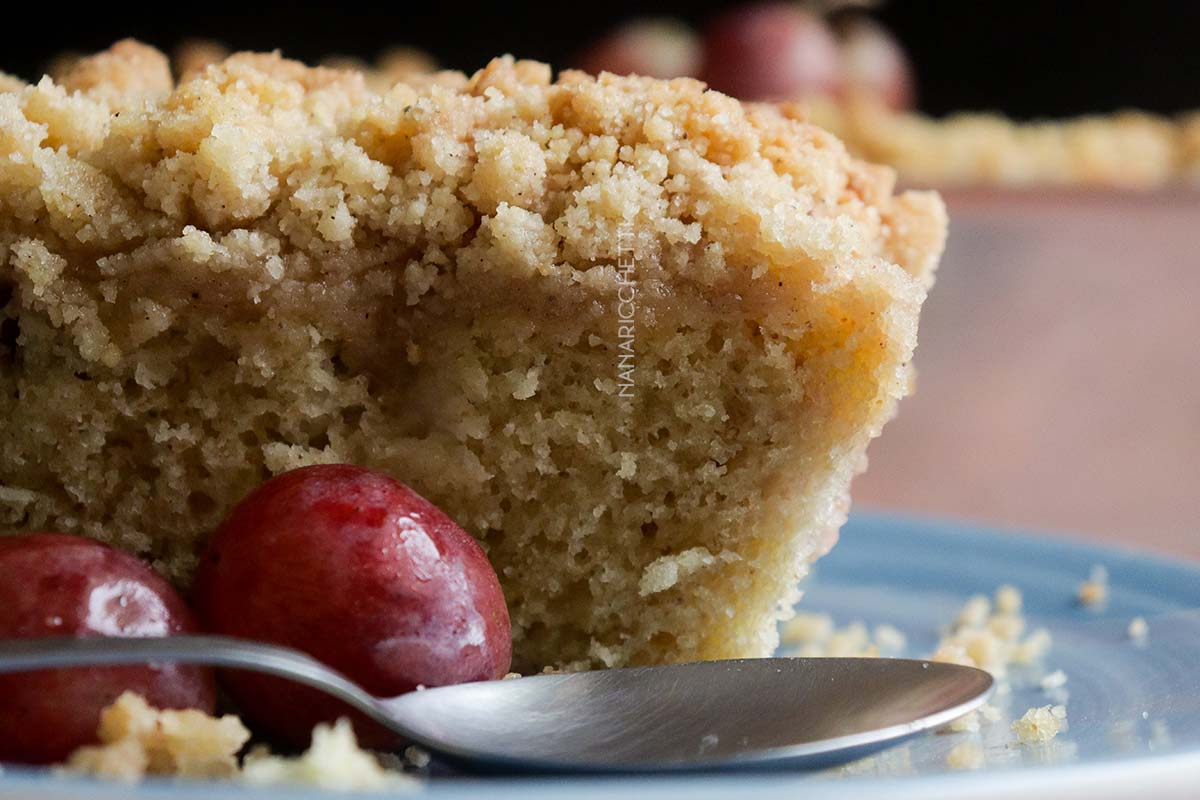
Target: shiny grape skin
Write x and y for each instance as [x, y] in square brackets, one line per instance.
[57, 585]
[364, 574]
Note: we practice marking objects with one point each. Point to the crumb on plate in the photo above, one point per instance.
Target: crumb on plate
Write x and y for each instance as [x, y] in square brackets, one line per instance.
[989, 713]
[965, 755]
[333, 761]
[1054, 680]
[1033, 648]
[1009, 600]
[967, 723]
[137, 740]
[890, 639]
[988, 636]
[814, 635]
[806, 628]
[1094, 591]
[417, 757]
[1040, 724]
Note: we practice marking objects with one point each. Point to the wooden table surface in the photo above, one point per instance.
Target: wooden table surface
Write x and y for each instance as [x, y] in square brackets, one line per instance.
[1058, 375]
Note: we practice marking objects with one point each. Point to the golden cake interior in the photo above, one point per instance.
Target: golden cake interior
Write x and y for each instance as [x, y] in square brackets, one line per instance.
[268, 266]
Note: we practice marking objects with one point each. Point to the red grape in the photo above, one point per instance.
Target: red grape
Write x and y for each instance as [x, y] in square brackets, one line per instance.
[651, 47]
[57, 585]
[362, 573]
[771, 51]
[874, 62]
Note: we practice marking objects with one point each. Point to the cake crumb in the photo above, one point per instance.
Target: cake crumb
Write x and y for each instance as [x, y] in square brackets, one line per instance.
[1007, 626]
[1009, 600]
[1139, 629]
[1033, 648]
[972, 722]
[989, 713]
[666, 571]
[333, 761]
[989, 637]
[806, 628]
[417, 757]
[965, 755]
[974, 612]
[853, 641]
[967, 723]
[1054, 680]
[1040, 724]
[890, 639]
[1094, 591]
[951, 653]
[138, 740]
[813, 635]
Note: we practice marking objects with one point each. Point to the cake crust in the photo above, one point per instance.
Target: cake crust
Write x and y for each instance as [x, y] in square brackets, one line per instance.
[270, 265]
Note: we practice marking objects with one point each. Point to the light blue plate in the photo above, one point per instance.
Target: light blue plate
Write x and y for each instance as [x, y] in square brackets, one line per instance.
[1134, 710]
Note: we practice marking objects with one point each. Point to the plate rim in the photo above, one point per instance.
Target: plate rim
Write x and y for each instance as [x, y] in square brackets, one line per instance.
[1112, 776]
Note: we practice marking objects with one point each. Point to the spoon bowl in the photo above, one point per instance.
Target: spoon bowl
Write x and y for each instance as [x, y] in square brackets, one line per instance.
[744, 713]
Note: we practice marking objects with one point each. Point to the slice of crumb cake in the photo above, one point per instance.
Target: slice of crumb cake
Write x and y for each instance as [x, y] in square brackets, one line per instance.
[633, 335]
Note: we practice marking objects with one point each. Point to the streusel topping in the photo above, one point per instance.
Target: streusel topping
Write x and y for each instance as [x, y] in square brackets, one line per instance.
[269, 265]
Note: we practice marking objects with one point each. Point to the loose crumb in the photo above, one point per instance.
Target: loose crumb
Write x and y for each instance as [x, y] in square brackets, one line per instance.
[989, 637]
[137, 740]
[972, 722]
[986, 635]
[967, 723]
[974, 612]
[851, 642]
[951, 653]
[890, 639]
[1139, 629]
[1007, 626]
[1094, 591]
[989, 713]
[965, 755]
[806, 628]
[1054, 680]
[416, 757]
[1040, 724]
[810, 635]
[1034, 648]
[1009, 600]
[333, 761]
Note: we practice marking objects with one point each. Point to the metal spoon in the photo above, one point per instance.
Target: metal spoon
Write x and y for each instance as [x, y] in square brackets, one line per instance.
[747, 713]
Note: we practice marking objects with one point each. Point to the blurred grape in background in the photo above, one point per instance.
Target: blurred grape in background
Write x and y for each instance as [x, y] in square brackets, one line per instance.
[1024, 58]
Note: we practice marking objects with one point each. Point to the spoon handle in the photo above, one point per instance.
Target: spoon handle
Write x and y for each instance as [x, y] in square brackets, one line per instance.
[25, 655]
